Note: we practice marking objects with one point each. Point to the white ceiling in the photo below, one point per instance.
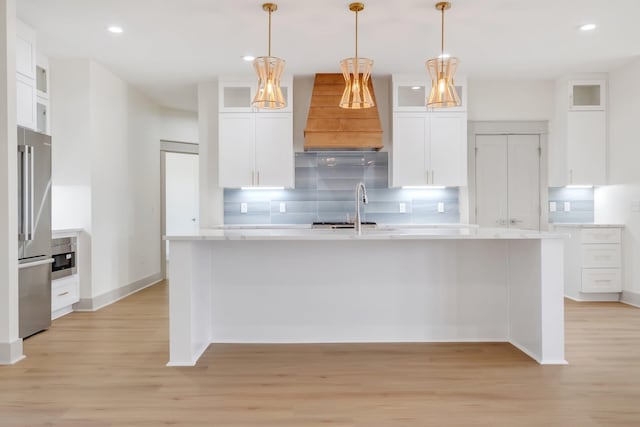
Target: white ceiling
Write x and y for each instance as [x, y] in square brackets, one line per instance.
[170, 45]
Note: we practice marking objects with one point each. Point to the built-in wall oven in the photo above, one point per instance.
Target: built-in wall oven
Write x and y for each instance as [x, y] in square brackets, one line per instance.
[64, 257]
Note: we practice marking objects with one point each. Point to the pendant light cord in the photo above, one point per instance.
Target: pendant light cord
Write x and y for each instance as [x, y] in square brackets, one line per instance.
[356, 36]
[270, 32]
[442, 42]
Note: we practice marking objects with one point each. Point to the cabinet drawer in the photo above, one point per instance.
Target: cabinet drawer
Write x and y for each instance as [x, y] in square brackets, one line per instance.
[601, 256]
[600, 235]
[64, 292]
[601, 280]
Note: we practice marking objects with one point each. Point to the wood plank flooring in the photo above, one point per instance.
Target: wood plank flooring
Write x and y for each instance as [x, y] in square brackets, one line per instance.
[108, 369]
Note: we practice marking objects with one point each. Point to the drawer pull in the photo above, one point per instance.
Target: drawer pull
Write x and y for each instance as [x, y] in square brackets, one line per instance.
[63, 294]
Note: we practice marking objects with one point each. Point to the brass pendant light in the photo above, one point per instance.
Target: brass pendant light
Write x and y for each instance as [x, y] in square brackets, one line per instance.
[442, 70]
[356, 72]
[269, 70]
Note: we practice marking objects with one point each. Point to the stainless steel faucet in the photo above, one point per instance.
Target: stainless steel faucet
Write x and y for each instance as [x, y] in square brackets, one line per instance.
[358, 220]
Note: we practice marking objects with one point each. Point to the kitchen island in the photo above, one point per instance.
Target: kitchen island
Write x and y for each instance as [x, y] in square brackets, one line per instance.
[302, 285]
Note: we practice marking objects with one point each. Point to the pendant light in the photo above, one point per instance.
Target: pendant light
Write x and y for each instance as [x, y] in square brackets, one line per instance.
[442, 71]
[269, 70]
[356, 72]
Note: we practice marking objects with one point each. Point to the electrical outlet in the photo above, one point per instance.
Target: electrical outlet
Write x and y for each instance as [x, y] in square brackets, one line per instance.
[553, 206]
[440, 207]
[283, 207]
[403, 207]
[567, 206]
[243, 208]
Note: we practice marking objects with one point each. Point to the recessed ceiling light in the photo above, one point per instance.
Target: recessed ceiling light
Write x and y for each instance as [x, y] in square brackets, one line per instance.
[248, 58]
[588, 27]
[416, 87]
[115, 29]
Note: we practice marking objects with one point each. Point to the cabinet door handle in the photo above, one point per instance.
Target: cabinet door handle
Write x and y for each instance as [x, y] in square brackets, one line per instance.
[433, 177]
[258, 183]
[63, 294]
[253, 176]
[570, 176]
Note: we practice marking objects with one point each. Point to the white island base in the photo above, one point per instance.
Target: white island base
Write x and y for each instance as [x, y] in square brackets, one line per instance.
[311, 286]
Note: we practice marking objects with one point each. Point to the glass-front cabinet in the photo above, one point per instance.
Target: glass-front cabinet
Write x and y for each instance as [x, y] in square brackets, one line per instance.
[236, 96]
[410, 93]
[587, 95]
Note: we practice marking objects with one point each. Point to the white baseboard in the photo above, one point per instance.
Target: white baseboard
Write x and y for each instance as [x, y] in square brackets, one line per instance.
[108, 298]
[630, 298]
[11, 352]
[596, 297]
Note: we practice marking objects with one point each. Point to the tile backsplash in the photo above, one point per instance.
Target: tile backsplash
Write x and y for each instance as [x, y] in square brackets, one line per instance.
[581, 205]
[325, 185]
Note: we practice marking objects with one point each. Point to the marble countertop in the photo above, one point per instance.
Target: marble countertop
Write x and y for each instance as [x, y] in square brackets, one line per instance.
[57, 231]
[380, 233]
[583, 225]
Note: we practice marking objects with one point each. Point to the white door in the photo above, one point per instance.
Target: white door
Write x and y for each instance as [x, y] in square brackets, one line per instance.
[409, 154]
[524, 181]
[274, 150]
[492, 181]
[181, 193]
[508, 181]
[236, 150]
[448, 149]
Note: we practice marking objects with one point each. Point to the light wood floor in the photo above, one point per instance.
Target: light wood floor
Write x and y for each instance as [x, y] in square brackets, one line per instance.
[108, 368]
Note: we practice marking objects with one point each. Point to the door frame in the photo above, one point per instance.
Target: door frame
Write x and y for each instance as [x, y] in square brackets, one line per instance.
[169, 147]
[540, 128]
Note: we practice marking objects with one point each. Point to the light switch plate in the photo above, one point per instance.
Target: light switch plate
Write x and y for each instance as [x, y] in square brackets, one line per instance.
[567, 206]
[403, 207]
[283, 207]
[243, 208]
[553, 206]
[441, 207]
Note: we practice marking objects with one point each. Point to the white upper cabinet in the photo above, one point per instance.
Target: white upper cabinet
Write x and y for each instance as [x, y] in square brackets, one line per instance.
[409, 156]
[235, 96]
[578, 134]
[429, 149]
[587, 95]
[274, 151]
[26, 90]
[586, 148]
[429, 146]
[236, 147]
[410, 93]
[448, 149]
[255, 146]
[25, 50]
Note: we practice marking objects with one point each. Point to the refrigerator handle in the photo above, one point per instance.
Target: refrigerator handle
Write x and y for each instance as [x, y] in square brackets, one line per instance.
[31, 153]
[24, 219]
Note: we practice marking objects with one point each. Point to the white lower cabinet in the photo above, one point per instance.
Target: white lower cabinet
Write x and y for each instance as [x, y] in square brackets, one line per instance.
[64, 293]
[429, 149]
[256, 150]
[593, 262]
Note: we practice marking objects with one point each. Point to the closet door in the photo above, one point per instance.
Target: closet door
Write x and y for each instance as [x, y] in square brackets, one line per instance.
[491, 181]
[524, 181]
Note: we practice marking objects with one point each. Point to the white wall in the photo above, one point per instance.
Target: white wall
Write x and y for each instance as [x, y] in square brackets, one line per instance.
[178, 125]
[10, 344]
[108, 164]
[510, 99]
[614, 203]
[211, 195]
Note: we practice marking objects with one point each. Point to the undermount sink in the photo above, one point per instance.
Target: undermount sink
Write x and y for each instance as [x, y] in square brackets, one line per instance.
[341, 225]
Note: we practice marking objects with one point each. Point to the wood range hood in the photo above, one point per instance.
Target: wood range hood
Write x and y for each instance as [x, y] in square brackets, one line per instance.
[330, 127]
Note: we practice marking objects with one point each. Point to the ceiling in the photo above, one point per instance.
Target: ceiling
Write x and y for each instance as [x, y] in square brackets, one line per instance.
[170, 45]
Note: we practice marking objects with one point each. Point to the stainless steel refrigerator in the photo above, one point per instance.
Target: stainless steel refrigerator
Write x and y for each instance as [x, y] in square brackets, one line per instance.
[34, 231]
